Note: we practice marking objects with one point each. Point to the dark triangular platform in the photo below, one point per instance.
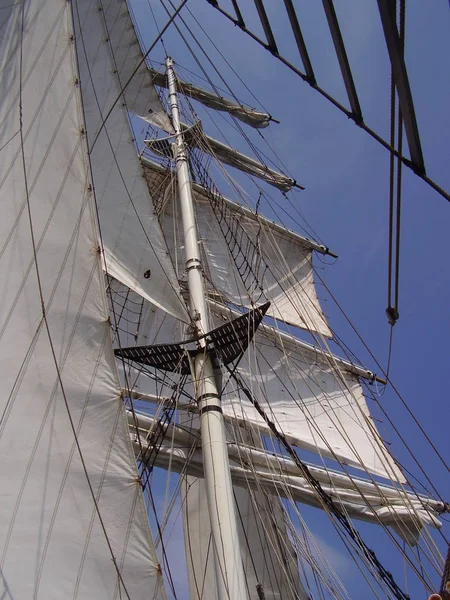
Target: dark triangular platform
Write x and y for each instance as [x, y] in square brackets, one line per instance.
[225, 343]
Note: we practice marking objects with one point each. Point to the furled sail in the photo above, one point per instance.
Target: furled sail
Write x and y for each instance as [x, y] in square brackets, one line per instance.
[314, 398]
[72, 519]
[135, 251]
[247, 115]
[195, 137]
[238, 160]
[361, 499]
[281, 259]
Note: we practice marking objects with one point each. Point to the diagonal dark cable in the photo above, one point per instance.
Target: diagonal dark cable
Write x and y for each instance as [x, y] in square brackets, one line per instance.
[138, 66]
[385, 575]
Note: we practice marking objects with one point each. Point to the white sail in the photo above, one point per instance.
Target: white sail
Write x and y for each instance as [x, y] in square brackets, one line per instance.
[315, 399]
[238, 160]
[72, 520]
[140, 95]
[247, 115]
[312, 398]
[283, 260]
[361, 499]
[135, 251]
[225, 154]
[270, 564]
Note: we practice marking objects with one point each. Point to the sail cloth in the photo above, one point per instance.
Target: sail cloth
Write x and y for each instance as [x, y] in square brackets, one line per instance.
[252, 468]
[249, 116]
[238, 160]
[313, 399]
[195, 137]
[66, 458]
[140, 95]
[281, 259]
[135, 251]
[270, 563]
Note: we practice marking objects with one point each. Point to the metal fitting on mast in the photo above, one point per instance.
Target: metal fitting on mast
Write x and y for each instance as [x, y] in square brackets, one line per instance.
[229, 569]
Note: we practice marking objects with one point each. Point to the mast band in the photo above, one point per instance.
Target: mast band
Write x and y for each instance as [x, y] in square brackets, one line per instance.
[207, 396]
[193, 263]
[210, 407]
[194, 260]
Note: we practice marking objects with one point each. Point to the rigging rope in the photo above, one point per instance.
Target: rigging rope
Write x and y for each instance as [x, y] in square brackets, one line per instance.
[395, 206]
[407, 162]
[156, 436]
[385, 575]
[126, 84]
[445, 583]
[246, 254]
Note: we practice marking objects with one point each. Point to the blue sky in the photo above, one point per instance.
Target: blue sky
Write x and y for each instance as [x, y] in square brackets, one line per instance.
[346, 175]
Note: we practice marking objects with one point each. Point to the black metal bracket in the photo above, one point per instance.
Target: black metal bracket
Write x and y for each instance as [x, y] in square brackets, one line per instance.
[225, 344]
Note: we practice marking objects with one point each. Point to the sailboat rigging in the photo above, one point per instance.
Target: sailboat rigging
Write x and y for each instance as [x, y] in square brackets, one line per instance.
[157, 322]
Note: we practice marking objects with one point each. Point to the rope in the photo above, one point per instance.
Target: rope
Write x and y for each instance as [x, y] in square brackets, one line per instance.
[46, 321]
[390, 311]
[395, 198]
[399, 164]
[245, 253]
[138, 66]
[445, 583]
[156, 437]
[335, 510]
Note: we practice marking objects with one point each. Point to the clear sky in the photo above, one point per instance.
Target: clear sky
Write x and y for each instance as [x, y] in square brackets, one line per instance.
[346, 175]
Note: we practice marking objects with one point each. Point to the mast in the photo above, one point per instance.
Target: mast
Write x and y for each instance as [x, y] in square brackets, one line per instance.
[229, 570]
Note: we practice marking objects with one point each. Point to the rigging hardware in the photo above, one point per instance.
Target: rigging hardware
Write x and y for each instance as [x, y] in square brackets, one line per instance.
[225, 343]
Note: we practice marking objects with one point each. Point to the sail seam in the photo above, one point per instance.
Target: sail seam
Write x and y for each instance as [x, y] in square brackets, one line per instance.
[90, 150]
[328, 501]
[139, 489]
[126, 84]
[41, 295]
